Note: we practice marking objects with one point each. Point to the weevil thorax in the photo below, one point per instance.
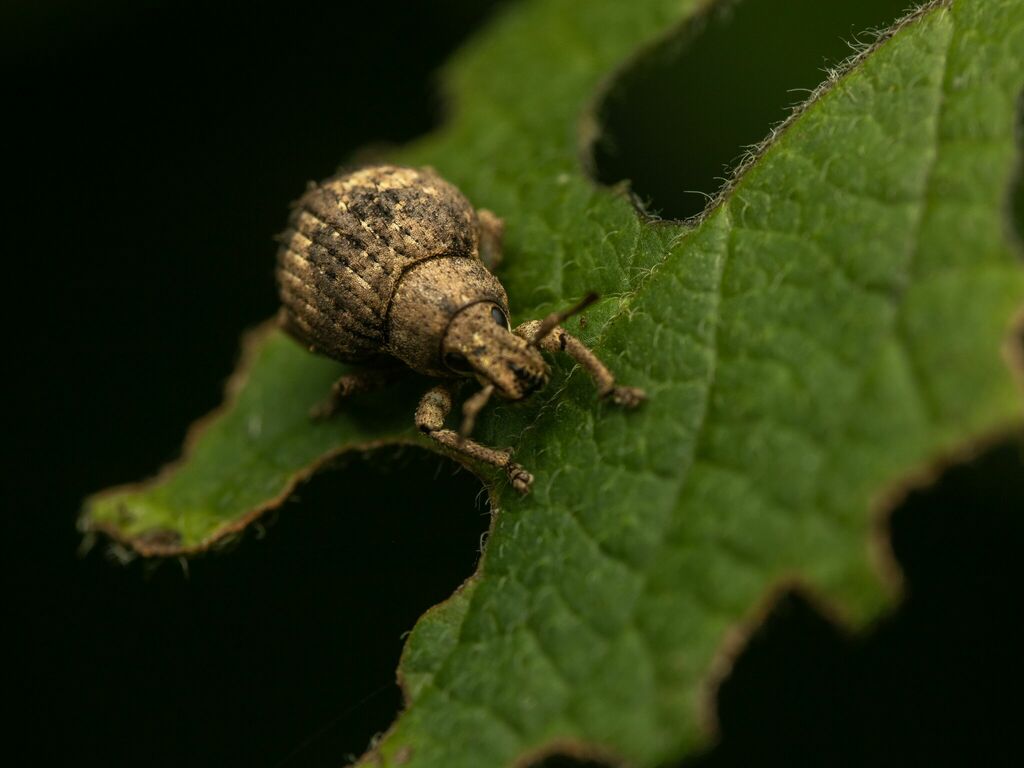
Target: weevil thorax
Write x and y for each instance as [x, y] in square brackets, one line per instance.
[479, 341]
[448, 317]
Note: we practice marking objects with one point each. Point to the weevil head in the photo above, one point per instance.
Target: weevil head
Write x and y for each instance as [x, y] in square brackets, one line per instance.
[480, 343]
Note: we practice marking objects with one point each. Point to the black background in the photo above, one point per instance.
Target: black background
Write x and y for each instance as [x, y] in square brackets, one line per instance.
[153, 148]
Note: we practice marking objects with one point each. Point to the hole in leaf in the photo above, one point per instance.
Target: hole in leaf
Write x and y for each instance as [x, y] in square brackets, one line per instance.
[797, 655]
[283, 649]
[929, 684]
[681, 116]
[961, 537]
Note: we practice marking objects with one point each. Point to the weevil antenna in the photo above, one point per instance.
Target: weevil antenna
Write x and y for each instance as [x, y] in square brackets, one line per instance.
[552, 321]
[471, 408]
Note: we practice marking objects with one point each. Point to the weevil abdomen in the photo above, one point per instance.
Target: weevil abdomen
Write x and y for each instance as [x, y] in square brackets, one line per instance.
[348, 244]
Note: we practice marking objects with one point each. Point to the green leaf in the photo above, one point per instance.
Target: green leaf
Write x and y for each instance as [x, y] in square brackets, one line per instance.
[835, 324]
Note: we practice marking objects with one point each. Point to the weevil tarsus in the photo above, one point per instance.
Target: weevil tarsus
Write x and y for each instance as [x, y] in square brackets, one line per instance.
[431, 413]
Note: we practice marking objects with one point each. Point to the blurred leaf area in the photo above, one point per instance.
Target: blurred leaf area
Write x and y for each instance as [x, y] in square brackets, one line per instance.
[154, 149]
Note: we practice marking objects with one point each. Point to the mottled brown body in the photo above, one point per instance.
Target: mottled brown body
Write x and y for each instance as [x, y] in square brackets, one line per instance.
[350, 242]
[386, 264]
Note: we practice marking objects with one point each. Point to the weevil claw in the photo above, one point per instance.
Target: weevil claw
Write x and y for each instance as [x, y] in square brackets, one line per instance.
[627, 397]
[520, 479]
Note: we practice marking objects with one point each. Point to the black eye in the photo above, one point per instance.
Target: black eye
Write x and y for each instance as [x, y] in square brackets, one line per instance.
[457, 363]
[499, 317]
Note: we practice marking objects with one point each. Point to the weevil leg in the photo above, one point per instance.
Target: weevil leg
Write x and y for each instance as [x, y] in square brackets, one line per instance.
[430, 417]
[352, 383]
[560, 340]
[492, 230]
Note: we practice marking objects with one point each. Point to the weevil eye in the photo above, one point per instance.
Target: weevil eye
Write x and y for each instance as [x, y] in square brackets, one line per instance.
[499, 318]
[457, 363]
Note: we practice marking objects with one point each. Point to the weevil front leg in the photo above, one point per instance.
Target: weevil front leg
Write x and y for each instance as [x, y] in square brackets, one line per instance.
[353, 383]
[560, 340]
[430, 417]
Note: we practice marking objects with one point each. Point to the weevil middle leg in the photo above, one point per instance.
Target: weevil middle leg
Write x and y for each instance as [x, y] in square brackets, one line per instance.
[430, 416]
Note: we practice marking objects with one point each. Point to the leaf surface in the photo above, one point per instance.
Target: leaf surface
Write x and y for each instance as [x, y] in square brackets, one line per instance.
[835, 323]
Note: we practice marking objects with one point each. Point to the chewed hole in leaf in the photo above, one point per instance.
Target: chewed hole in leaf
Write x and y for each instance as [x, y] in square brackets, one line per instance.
[964, 533]
[683, 115]
[926, 683]
[794, 657]
[284, 650]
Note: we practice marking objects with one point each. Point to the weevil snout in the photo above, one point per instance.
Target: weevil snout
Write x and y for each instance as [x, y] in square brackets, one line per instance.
[480, 343]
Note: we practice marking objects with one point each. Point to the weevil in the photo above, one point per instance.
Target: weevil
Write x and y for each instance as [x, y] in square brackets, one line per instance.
[390, 269]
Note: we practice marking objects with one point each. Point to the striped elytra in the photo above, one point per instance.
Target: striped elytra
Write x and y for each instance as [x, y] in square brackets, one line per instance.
[350, 242]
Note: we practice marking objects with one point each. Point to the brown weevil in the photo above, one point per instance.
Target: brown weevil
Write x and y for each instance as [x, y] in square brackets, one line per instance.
[389, 268]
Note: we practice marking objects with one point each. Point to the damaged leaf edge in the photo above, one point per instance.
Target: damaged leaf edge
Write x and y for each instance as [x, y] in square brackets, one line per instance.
[146, 544]
[589, 125]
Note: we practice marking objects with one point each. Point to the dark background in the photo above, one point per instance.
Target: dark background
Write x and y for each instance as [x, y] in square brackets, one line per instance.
[153, 149]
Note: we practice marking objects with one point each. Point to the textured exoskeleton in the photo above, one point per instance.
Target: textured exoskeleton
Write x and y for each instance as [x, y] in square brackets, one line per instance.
[390, 268]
